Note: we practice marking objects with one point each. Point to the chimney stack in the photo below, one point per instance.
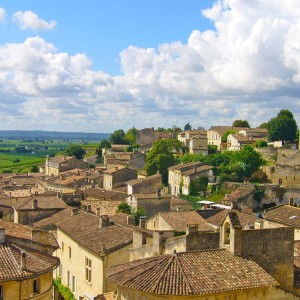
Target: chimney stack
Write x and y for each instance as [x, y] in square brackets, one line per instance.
[98, 211]
[23, 261]
[131, 220]
[192, 229]
[39, 236]
[2, 235]
[104, 221]
[142, 222]
[34, 204]
[74, 212]
[158, 193]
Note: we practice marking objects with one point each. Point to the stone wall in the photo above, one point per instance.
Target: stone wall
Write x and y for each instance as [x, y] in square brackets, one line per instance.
[106, 207]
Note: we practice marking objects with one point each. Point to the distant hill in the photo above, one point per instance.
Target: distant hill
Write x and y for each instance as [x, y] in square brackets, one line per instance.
[52, 135]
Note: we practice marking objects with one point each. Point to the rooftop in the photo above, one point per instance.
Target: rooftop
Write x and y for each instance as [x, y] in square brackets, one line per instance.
[191, 273]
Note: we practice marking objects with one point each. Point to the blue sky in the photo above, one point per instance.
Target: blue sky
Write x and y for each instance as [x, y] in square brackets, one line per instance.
[97, 66]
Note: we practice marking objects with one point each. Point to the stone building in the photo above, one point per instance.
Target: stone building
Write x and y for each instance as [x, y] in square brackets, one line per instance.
[180, 176]
[26, 262]
[89, 244]
[56, 165]
[37, 207]
[149, 184]
[194, 140]
[102, 202]
[116, 177]
[133, 160]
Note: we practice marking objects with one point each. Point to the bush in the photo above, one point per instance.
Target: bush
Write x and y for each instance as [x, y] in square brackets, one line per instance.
[16, 160]
[63, 290]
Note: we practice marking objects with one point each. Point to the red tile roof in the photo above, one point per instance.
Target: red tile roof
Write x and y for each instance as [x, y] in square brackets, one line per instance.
[191, 273]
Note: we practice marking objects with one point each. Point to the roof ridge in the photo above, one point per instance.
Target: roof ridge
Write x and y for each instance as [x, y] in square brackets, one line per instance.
[162, 274]
[191, 291]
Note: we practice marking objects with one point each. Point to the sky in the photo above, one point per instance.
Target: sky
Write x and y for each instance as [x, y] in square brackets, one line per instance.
[98, 65]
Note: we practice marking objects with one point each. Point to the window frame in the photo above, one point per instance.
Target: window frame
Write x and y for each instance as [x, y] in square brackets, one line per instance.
[88, 270]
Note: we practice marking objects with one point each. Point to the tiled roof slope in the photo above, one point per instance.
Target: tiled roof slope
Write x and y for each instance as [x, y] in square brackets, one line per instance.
[245, 219]
[191, 273]
[24, 232]
[43, 202]
[36, 263]
[84, 229]
[284, 214]
[179, 219]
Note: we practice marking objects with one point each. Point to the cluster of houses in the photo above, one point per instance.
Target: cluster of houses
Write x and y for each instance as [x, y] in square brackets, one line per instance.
[63, 224]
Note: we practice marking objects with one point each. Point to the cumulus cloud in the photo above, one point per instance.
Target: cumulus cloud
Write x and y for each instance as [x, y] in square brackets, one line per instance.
[248, 67]
[2, 15]
[29, 20]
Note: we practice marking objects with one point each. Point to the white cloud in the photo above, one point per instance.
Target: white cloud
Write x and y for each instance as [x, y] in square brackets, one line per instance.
[247, 68]
[29, 20]
[2, 15]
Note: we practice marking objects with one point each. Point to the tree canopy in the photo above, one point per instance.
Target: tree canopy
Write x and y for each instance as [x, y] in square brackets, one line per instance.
[241, 123]
[75, 150]
[160, 158]
[283, 127]
[187, 127]
[117, 137]
[130, 136]
[226, 134]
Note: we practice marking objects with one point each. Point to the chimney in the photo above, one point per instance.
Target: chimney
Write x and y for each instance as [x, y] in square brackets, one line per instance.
[78, 172]
[34, 204]
[259, 224]
[74, 212]
[98, 211]
[39, 236]
[142, 222]
[139, 239]
[291, 201]
[89, 208]
[2, 235]
[194, 169]
[131, 220]
[192, 229]
[158, 193]
[157, 242]
[23, 261]
[104, 221]
[116, 168]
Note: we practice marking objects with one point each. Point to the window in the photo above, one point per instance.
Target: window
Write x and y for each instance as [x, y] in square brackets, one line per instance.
[1, 292]
[88, 270]
[68, 278]
[62, 246]
[73, 289]
[36, 286]
[70, 252]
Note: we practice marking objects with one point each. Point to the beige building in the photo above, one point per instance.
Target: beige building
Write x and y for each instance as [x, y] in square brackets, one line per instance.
[177, 221]
[215, 134]
[56, 165]
[133, 160]
[149, 184]
[180, 176]
[88, 245]
[194, 140]
[235, 142]
[117, 177]
[26, 263]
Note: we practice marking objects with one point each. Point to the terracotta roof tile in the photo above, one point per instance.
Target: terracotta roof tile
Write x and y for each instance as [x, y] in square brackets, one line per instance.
[191, 273]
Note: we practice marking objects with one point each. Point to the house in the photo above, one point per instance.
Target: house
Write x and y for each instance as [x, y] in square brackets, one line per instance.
[177, 204]
[102, 202]
[56, 165]
[88, 245]
[194, 140]
[215, 134]
[235, 142]
[259, 133]
[37, 207]
[26, 268]
[116, 177]
[177, 221]
[180, 176]
[151, 202]
[133, 160]
[201, 275]
[149, 184]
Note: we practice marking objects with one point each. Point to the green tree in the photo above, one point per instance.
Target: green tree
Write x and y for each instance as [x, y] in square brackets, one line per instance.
[125, 208]
[241, 123]
[264, 125]
[160, 158]
[212, 149]
[249, 161]
[283, 127]
[117, 137]
[226, 134]
[187, 127]
[261, 144]
[198, 185]
[103, 144]
[131, 135]
[34, 169]
[75, 150]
